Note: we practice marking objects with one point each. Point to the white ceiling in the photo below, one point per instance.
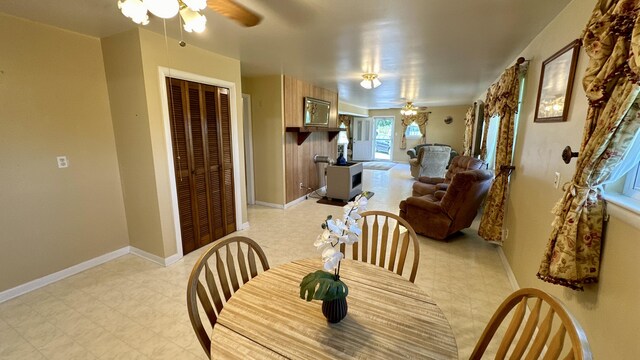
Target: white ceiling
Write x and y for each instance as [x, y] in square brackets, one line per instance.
[434, 52]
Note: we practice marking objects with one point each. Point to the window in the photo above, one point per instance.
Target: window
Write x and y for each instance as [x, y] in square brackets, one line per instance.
[632, 183]
[413, 131]
[492, 140]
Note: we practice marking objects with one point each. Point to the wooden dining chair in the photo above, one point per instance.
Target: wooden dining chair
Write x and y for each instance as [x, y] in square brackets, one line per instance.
[383, 242]
[534, 338]
[221, 283]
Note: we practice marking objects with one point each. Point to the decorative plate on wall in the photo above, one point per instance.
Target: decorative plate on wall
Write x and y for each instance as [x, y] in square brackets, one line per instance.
[448, 120]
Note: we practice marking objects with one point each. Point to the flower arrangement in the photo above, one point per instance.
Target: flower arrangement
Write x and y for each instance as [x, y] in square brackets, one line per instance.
[323, 284]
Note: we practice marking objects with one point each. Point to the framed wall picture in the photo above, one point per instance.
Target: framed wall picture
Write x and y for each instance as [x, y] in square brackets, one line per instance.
[556, 82]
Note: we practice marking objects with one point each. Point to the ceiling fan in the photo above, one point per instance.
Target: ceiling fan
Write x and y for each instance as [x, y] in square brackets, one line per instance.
[235, 11]
[409, 109]
[189, 11]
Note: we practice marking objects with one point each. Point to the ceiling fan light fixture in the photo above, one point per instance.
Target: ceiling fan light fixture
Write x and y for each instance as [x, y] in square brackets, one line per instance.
[193, 21]
[134, 10]
[370, 81]
[165, 9]
[195, 5]
[408, 109]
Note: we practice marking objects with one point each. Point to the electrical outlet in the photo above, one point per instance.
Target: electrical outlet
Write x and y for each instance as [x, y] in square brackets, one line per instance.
[301, 186]
[62, 162]
[556, 180]
[505, 234]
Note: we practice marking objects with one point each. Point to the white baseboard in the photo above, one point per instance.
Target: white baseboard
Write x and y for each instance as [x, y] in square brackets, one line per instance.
[271, 205]
[296, 202]
[244, 226]
[51, 278]
[508, 270]
[155, 258]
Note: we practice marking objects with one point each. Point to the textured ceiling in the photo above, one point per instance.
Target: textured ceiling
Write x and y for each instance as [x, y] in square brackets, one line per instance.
[434, 52]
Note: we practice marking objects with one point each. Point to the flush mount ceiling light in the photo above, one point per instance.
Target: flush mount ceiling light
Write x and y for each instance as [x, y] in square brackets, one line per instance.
[409, 109]
[136, 10]
[370, 81]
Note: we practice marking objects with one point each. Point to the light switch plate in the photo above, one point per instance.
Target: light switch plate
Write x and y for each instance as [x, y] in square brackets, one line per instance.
[556, 180]
[62, 162]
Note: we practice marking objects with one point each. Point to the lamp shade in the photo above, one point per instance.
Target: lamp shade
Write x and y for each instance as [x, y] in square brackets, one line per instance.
[163, 8]
[193, 21]
[195, 5]
[370, 81]
[134, 10]
[342, 136]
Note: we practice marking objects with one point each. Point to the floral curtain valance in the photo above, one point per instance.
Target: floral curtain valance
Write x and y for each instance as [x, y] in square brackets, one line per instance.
[502, 100]
[469, 122]
[421, 120]
[612, 42]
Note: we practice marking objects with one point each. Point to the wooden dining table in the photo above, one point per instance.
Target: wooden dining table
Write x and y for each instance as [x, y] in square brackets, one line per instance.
[388, 318]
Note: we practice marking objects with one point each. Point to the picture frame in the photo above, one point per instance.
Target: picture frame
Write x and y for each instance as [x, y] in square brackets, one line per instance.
[556, 84]
[316, 112]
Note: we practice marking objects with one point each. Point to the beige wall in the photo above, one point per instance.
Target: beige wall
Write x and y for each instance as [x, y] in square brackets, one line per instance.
[137, 103]
[131, 126]
[349, 109]
[268, 137]
[607, 311]
[54, 101]
[437, 131]
[192, 60]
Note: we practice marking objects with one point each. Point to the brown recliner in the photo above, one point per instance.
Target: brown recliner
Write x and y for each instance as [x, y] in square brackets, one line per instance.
[443, 213]
[429, 185]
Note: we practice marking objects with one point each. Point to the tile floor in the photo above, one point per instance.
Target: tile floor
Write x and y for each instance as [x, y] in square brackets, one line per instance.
[130, 308]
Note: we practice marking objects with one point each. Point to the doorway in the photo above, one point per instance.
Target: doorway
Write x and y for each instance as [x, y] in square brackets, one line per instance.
[383, 137]
[363, 139]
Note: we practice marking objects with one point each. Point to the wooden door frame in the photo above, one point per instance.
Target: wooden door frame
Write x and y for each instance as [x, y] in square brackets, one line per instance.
[164, 72]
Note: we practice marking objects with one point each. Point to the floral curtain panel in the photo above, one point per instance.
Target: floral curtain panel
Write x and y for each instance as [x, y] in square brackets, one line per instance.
[421, 120]
[612, 42]
[469, 122]
[502, 100]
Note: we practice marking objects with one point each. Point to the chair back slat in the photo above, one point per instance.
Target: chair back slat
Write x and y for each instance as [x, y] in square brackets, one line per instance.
[512, 330]
[569, 337]
[364, 241]
[394, 247]
[403, 253]
[222, 277]
[231, 265]
[555, 346]
[374, 240]
[528, 331]
[383, 243]
[375, 247]
[213, 288]
[209, 298]
[242, 264]
[253, 269]
[206, 303]
[201, 333]
[541, 337]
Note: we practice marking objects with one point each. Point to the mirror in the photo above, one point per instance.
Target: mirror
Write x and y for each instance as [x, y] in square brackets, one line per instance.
[316, 112]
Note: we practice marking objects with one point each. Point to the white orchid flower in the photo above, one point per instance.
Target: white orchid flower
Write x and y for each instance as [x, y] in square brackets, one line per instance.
[336, 226]
[351, 239]
[355, 229]
[331, 258]
[323, 239]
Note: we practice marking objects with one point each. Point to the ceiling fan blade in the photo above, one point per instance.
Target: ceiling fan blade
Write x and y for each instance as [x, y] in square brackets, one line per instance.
[235, 11]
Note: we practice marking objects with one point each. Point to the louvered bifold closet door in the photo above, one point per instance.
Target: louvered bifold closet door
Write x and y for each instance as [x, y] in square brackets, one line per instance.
[201, 142]
[180, 140]
[199, 162]
[227, 159]
[215, 160]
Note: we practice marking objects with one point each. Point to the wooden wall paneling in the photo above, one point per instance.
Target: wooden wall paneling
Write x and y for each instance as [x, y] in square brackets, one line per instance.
[299, 165]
